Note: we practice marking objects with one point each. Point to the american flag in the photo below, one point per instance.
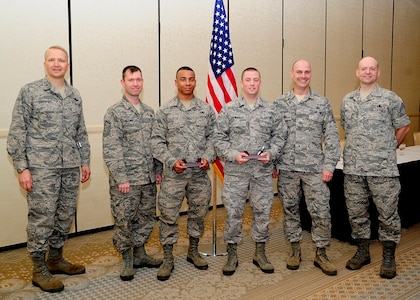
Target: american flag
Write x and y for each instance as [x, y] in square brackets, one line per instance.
[221, 83]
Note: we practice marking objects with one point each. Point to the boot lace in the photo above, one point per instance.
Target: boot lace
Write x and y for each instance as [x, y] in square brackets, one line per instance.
[295, 251]
[323, 256]
[360, 254]
[388, 257]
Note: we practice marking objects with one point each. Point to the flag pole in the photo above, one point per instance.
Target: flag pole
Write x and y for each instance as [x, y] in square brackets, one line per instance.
[221, 89]
[214, 249]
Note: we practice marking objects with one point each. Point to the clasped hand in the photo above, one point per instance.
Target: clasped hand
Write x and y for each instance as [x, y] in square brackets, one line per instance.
[180, 166]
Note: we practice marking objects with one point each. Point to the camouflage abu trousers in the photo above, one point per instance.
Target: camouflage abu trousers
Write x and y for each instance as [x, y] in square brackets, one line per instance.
[134, 215]
[385, 194]
[317, 198]
[234, 195]
[51, 207]
[196, 188]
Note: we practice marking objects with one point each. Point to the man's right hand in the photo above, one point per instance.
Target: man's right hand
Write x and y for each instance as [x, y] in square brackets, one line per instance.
[124, 187]
[241, 158]
[179, 166]
[25, 180]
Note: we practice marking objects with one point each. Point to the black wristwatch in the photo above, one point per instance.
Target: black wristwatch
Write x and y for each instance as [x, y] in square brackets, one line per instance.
[20, 170]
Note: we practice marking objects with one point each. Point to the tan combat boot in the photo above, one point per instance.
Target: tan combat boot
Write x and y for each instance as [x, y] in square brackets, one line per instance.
[143, 260]
[295, 258]
[127, 271]
[260, 259]
[167, 266]
[232, 260]
[194, 257]
[321, 261]
[41, 277]
[57, 264]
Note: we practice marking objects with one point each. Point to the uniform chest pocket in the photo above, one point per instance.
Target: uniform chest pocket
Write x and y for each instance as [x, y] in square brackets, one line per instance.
[75, 110]
[45, 106]
[131, 126]
[238, 124]
[262, 125]
[288, 119]
[377, 113]
[47, 114]
[316, 117]
[175, 124]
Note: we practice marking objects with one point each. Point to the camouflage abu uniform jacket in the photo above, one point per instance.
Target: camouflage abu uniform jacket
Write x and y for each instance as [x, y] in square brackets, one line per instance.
[47, 130]
[240, 128]
[184, 133]
[369, 126]
[309, 123]
[126, 144]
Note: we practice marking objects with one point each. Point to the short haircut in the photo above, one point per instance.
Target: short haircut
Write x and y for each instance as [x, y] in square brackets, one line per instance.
[132, 69]
[56, 47]
[249, 69]
[183, 68]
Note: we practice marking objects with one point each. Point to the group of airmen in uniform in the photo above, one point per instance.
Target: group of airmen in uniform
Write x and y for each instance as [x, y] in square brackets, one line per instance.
[295, 139]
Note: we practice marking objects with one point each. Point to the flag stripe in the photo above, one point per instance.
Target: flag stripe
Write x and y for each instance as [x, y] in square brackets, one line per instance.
[225, 84]
[212, 97]
[218, 167]
[231, 85]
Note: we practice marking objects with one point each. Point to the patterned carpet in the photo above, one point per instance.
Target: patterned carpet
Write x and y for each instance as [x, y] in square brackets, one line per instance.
[102, 281]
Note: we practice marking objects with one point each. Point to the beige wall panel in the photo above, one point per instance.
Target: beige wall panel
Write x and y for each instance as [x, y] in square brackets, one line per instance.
[93, 208]
[377, 36]
[105, 40]
[304, 38]
[14, 210]
[344, 48]
[256, 34]
[27, 29]
[186, 28]
[406, 58]
[107, 36]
